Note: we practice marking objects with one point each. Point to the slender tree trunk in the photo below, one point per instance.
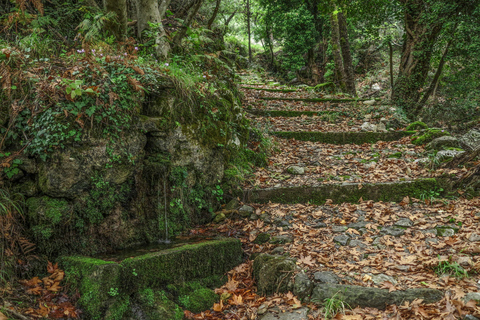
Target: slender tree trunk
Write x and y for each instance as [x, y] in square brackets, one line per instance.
[346, 55]
[337, 55]
[421, 36]
[177, 40]
[436, 78]
[391, 67]
[119, 25]
[152, 11]
[249, 32]
[227, 22]
[214, 14]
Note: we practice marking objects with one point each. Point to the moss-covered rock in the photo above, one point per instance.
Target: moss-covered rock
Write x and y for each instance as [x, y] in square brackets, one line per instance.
[262, 238]
[346, 192]
[98, 281]
[273, 274]
[343, 137]
[428, 135]
[150, 304]
[181, 264]
[417, 125]
[199, 300]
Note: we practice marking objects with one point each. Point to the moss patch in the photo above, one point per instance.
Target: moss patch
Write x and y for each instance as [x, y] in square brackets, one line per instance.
[428, 135]
[199, 300]
[342, 193]
[417, 125]
[270, 90]
[343, 137]
[286, 113]
[313, 99]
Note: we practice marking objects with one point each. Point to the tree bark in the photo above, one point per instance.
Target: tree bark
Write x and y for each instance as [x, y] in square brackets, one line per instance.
[177, 40]
[119, 25]
[418, 48]
[249, 32]
[435, 80]
[390, 47]
[346, 55]
[214, 15]
[340, 75]
[152, 11]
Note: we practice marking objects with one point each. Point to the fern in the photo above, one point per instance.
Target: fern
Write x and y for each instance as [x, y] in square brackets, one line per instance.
[91, 28]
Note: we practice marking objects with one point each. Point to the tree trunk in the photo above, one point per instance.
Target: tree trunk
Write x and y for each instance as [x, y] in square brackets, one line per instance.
[152, 11]
[249, 32]
[346, 55]
[118, 26]
[214, 15]
[418, 48]
[435, 80]
[177, 40]
[390, 47]
[340, 75]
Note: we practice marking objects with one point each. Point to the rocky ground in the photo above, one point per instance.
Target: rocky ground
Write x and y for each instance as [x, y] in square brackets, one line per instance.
[412, 259]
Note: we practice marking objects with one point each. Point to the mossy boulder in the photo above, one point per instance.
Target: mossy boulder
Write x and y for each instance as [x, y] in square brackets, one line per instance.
[428, 135]
[262, 238]
[274, 274]
[152, 304]
[417, 125]
[199, 300]
[443, 143]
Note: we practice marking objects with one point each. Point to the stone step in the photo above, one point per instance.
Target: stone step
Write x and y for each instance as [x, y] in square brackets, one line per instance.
[251, 84]
[287, 113]
[339, 193]
[339, 100]
[270, 90]
[105, 284]
[343, 137]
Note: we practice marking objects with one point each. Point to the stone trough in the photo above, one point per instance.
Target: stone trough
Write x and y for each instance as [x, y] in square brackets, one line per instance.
[144, 286]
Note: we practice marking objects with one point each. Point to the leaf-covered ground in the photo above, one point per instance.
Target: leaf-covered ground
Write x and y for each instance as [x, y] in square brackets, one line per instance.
[428, 243]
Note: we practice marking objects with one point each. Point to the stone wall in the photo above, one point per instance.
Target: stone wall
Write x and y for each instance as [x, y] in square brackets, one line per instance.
[98, 195]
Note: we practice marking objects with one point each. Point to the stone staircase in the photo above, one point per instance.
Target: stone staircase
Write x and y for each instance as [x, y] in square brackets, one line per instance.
[339, 163]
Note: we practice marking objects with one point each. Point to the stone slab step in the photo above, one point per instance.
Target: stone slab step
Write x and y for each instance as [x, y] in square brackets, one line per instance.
[269, 89]
[343, 137]
[314, 99]
[286, 113]
[357, 296]
[339, 193]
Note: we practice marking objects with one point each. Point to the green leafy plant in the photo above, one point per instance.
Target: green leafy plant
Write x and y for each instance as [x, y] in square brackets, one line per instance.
[334, 305]
[113, 292]
[451, 268]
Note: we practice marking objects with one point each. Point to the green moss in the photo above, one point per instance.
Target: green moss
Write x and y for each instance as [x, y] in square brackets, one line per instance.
[428, 136]
[313, 99]
[343, 137]
[118, 308]
[396, 155]
[262, 238]
[417, 125]
[199, 300]
[93, 278]
[182, 264]
[270, 90]
[343, 193]
[287, 113]
[154, 304]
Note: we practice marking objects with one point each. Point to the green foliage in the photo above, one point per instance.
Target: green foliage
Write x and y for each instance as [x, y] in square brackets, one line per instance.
[428, 135]
[334, 305]
[451, 268]
[12, 169]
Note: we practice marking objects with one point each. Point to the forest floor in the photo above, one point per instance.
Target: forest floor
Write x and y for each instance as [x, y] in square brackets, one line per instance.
[414, 243]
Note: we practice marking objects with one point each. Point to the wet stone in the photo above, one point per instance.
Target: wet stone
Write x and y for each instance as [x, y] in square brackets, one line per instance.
[326, 277]
[281, 239]
[342, 239]
[320, 225]
[357, 243]
[278, 250]
[381, 278]
[246, 211]
[404, 223]
[393, 231]
[357, 225]
[339, 229]
[474, 237]
[445, 232]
